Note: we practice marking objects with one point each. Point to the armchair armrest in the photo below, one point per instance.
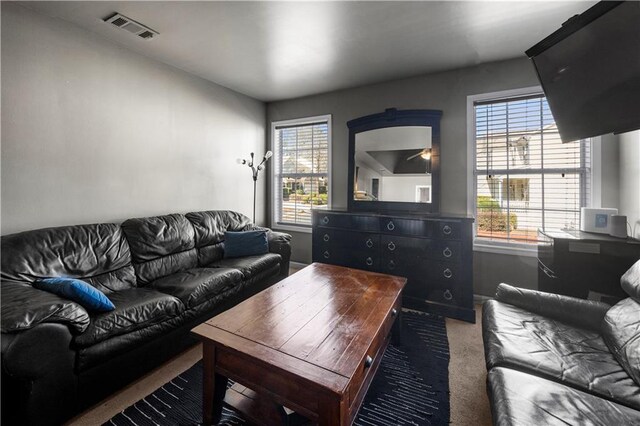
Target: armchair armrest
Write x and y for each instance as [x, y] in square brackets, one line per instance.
[24, 307]
[579, 312]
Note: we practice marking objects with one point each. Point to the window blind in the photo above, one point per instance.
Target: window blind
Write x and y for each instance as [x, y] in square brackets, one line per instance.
[301, 178]
[525, 177]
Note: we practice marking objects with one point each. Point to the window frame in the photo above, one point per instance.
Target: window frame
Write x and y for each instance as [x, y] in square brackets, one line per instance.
[511, 247]
[274, 185]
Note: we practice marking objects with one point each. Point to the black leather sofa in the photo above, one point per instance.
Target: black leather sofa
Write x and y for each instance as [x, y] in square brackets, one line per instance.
[558, 360]
[164, 274]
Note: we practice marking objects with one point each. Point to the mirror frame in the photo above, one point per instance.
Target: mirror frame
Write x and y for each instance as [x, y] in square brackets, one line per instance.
[393, 117]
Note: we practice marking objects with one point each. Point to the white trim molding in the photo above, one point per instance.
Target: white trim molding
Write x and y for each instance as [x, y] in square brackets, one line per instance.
[274, 188]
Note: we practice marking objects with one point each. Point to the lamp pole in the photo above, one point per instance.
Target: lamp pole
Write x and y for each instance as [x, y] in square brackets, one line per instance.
[254, 171]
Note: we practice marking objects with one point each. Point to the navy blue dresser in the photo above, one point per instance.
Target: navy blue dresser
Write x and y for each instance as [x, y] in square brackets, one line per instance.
[434, 252]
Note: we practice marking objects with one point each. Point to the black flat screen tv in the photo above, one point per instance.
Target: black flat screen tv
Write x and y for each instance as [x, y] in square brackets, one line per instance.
[590, 71]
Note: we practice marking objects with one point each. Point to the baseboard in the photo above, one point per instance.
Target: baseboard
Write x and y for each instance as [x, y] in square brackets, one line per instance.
[479, 298]
[297, 265]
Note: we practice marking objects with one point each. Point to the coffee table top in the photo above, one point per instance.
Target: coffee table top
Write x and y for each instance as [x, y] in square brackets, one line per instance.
[317, 323]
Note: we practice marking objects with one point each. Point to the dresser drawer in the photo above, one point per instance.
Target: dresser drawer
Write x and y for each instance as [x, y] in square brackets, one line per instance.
[410, 227]
[334, 220]
[358, 259]
[411, 250]
[451, 296]
[337, 238]
[444, 250]
[445, 273]
[448, 230]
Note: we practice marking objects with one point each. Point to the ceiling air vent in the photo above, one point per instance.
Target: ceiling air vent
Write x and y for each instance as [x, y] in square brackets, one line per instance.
[132, 26]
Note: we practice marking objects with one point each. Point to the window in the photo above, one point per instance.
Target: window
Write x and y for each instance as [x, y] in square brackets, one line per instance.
[301, 178]
[525, 178]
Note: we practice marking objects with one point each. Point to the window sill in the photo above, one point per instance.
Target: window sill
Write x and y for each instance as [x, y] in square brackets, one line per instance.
[291, 228]
[513, 249]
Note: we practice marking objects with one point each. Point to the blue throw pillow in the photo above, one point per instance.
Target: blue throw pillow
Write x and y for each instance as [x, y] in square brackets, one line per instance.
[77, 290]
[247, 243]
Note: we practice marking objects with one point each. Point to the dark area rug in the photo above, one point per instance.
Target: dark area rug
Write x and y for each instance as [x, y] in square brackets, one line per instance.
[411, 386]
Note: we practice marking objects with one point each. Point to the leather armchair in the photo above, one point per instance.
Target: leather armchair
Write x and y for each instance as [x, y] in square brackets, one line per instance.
[554, 359]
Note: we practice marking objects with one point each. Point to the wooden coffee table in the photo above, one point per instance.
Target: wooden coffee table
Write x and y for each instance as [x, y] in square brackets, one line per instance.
[311, 343]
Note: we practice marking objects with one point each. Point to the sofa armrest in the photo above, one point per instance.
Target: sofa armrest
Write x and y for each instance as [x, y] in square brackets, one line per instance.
[39, 385]
[280, 243]
[579, 312]
[24, 307]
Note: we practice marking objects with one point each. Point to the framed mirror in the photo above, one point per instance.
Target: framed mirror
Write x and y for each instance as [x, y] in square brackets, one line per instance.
[394, 161]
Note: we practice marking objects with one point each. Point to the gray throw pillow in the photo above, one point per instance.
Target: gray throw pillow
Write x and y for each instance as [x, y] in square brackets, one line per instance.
[621, 332]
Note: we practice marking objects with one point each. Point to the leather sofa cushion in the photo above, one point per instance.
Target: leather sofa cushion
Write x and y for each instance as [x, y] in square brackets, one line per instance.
[522, 399]
[98, 254]
[136, 308]
[250, 266]
[24, 307]
[160, 245]
[198, 285]
[516, 338]
[621, 331]
[154, 237]
[210, 226]
[630, 281]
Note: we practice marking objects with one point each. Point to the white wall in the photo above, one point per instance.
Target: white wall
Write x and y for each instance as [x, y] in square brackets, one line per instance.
[92, 132]
[629, 173]
[402, 188]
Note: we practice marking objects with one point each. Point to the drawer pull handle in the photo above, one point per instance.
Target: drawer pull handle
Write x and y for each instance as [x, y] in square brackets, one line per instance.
[326, 254]
[369, 261]
[368, 361]
[326, 237]
[447, 273]
[447, 252]
[394, 312]
[391, 226]
[446, 230]
[391, 246]
[447, 295]
[325, 220]
[369, 243]
[392, 264]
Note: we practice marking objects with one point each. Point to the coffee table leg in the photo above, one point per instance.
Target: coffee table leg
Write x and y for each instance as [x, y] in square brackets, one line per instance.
[332, 412]
[214, 386]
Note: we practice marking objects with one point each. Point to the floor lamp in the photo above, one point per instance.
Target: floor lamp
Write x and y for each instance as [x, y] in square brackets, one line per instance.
[255, 170]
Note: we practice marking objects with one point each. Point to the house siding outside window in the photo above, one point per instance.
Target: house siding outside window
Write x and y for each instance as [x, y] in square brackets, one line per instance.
[301, 172]
[525, 178]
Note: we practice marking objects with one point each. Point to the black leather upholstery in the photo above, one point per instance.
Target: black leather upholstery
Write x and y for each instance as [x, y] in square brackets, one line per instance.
[210, 226]
[579, 357]
[57, 358]
[621, 330]
[250, 265]
[44, 307]
[630, 281]
[524, 399]
[561, 360]
[195, 286]
[98, 254]
[579, 312]
[136, 308]
[160, 246]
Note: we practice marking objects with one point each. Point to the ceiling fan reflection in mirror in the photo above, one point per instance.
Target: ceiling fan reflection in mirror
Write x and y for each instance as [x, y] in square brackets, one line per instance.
[425, 154]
